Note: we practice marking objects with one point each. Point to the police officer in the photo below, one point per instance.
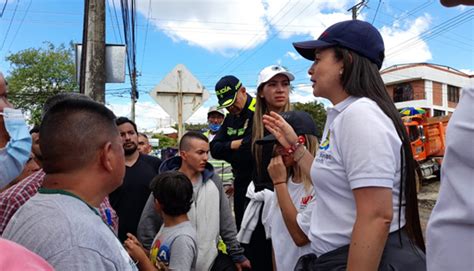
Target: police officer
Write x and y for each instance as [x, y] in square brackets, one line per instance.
[232, 142]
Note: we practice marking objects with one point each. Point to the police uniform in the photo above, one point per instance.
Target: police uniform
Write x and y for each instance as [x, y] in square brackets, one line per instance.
[237, 127]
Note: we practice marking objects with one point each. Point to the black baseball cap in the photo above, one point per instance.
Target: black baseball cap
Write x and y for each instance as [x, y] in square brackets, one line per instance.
[226, 90]
[300, 121]
[358, 36]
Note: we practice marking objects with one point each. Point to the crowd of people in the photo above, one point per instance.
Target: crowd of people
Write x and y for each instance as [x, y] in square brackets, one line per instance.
[81, 192]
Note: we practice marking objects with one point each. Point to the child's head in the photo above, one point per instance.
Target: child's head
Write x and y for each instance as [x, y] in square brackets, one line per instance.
[173, 191]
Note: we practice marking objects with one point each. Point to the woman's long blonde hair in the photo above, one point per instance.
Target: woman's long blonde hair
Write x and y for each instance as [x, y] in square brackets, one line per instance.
[295, 172]
[258, 127]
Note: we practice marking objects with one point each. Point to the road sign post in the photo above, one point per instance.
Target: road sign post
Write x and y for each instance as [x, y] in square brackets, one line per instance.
[180, 94]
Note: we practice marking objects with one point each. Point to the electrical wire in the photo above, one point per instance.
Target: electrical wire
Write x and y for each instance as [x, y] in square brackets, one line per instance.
[376, 11]
[3, 9]
[9, 25]
[146, 33]
[21, 24]
[112, 20]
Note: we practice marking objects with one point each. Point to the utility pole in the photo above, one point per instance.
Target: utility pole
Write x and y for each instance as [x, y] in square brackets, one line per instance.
[92, 79]
[133, 94]
[356, 8]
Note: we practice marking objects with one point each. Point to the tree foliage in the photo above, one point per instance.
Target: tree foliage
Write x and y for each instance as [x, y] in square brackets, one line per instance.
[165, 141]
[196, 126]
[317, 111]
[39, 73]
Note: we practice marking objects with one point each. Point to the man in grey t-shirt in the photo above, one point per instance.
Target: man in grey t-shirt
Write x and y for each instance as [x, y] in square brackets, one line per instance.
[83, 161]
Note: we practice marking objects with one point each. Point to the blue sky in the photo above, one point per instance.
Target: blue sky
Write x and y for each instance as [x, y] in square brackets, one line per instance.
[213, 38]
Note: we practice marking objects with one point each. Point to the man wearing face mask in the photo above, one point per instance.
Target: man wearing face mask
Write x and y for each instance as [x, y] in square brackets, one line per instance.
[215, 118]
[15, 140]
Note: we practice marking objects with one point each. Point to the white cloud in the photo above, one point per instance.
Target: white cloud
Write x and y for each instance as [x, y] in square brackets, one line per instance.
[306, 17]
[214, 25]
[200, 116]
[403, 42]
[150, 116]
[228, 26]
[467, 71]
[224, 26]
[303, 93]
[293, 55]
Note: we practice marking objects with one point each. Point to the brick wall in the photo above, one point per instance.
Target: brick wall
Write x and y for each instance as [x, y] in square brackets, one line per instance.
[437, 94]
[418, 89]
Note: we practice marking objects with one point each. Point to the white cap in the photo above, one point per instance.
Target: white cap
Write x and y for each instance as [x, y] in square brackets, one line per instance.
[268, 72]
[214, 109]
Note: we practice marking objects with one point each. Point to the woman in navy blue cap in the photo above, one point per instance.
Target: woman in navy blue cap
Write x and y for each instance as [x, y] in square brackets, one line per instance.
[366, 216]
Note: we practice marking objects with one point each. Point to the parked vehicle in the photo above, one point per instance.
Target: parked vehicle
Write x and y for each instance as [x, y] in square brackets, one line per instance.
[428, 138]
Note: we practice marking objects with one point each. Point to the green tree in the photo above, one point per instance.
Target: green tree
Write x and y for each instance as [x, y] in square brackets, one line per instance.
[165, 141]
[195, 126]
[39, 73]
[317, 111]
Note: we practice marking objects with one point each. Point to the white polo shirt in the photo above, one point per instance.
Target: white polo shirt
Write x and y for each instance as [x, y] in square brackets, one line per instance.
[360, 148]
[450, 232]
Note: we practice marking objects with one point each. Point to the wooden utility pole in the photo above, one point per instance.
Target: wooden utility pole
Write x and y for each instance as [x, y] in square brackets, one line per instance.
[92, 79]
[356, 8]
[180, 105]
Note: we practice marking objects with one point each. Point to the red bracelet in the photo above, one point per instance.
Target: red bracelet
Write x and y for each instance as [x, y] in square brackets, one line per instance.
[292, 148]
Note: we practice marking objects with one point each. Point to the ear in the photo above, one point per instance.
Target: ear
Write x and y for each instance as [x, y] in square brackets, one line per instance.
[107, 156]
[157, 205]
[182, 154]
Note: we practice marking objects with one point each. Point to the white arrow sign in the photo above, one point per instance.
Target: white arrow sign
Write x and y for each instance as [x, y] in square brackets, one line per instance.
[180, 94]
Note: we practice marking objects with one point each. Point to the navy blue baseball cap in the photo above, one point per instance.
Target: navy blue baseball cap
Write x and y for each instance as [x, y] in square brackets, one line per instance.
[226, 90]
[358, 36]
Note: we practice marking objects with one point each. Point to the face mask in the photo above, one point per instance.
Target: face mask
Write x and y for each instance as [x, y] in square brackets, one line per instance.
[214, 127]
[16, 153]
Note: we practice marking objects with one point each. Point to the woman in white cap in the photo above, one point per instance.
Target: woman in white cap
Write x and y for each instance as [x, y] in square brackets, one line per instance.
[273, 91]
[366, 215]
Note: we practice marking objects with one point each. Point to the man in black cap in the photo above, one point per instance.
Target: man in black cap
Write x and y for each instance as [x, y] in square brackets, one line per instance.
[233, 141]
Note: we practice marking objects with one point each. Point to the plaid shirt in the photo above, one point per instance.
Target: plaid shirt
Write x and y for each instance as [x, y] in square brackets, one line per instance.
[14, 197]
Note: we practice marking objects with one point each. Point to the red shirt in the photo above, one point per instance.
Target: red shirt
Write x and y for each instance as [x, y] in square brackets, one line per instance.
[14, 197]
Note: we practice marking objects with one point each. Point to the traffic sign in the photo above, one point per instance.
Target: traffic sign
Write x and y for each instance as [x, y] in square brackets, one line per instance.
[180, 94]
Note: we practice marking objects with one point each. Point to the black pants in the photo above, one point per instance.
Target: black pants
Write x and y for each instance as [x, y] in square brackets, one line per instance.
[259, 250]
[241, 183]
[395, 257]
[223, 262]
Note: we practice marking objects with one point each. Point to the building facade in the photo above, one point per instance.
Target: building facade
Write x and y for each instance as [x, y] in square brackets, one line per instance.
[432, 87]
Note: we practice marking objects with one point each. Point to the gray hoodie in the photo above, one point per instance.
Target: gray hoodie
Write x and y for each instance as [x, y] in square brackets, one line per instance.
[210, 222]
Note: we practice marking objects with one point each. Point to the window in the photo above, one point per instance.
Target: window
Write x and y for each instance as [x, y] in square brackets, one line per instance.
[453, 94]
[402, 92]
[437, 113]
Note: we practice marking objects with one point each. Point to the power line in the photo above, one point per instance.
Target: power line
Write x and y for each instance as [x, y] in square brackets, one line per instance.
[21, 24]
[3, 9]
[376, 11]
[146, 34]
[112, 20]
[9, 25]
[432, 33]
[116, 20]
[274, 35]
[247, 46]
